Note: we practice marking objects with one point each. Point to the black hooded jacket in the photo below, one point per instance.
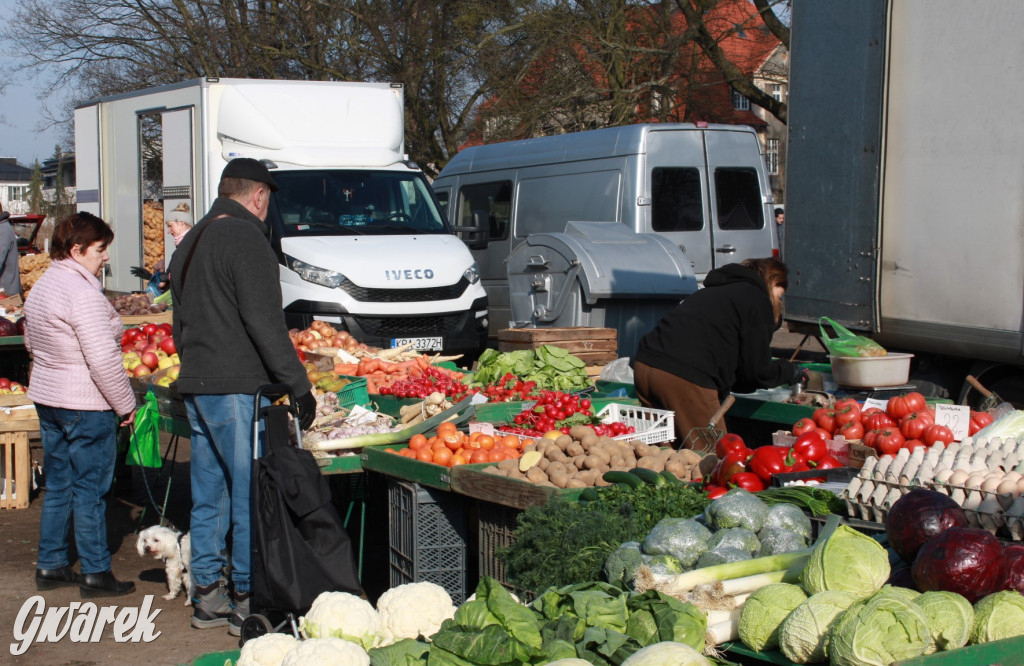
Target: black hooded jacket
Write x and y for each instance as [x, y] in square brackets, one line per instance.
[720, 337]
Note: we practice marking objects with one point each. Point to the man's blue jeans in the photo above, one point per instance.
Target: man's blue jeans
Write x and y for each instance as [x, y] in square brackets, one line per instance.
[221, 469]
[79, 448]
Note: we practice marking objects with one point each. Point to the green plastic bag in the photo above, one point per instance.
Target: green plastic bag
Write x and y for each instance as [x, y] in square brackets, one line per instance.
[846, 342]
[144, 447]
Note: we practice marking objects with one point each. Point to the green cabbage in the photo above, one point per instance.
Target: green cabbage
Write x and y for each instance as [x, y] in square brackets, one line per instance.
[662, 654]
[997, 616]
[763, 613]
[803, 633]
[950, 619]
[847, 560]
[878, 631]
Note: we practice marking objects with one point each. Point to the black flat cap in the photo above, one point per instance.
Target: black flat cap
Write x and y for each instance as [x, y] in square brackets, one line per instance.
[249, 169]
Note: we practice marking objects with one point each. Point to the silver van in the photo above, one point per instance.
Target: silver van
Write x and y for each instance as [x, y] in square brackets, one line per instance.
[703, 187]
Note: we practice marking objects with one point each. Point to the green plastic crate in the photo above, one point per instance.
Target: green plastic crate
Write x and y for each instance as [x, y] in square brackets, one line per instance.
[355, 393]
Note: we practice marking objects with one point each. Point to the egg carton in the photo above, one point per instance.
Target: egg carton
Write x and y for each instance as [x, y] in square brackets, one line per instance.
[882, 481]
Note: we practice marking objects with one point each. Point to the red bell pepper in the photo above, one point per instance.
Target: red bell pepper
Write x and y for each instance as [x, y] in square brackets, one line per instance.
[809, 448]
[732, 463]
[715, 491]
[748, 481]
[768, 460]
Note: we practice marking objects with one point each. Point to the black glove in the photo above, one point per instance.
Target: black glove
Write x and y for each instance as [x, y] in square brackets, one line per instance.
[800, 376]
[306, 406]
[140, 272]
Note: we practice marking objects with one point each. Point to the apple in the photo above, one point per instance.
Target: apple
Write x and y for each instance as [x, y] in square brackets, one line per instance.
[157, 336]
[160, 353]
[141, 370]
[172, 372]
[165, 363]
[150, 328]
[164, 381]
[167, 344]
[127, 348]
[175, 358]
[17, 388]
[5, 383]
[166, 328]
[150, 360]
[130, 360]
[5, 391]
[140, 345]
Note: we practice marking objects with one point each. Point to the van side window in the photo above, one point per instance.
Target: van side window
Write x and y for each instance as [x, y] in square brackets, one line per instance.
[675, 199]
[442, 199]
[738, 199]
[493, 201]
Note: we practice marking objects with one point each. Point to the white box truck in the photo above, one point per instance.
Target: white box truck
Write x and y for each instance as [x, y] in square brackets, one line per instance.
[905, 197]
[361, 240]
[691, 197]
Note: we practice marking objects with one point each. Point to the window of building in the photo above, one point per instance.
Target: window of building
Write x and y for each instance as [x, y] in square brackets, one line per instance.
[771, 156]
[676, 199]
[17, 192]
[777, 91]
[738, 199]
[486, 204]
[739, 102]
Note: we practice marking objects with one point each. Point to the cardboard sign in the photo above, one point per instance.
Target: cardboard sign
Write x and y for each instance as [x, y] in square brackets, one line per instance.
[875, 402]
[955, 417]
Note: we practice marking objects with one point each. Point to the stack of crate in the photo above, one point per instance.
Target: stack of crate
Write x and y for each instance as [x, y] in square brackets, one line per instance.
[17, 419]
[594, 346]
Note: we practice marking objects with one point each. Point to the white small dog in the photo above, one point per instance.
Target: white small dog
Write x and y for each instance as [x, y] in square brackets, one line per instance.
[175, 549]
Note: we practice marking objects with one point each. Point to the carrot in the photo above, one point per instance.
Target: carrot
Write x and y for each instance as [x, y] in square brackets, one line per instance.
[423, 361]
[371, 386]
[346, 368]
[370, 365]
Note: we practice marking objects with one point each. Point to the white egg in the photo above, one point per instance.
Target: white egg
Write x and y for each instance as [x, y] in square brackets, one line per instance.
[942, 476]
[990, 483]
[1007, 487]
[958, 477]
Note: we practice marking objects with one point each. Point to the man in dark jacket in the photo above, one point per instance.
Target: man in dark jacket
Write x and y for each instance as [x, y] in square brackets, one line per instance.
[230, 329]
[716, 341]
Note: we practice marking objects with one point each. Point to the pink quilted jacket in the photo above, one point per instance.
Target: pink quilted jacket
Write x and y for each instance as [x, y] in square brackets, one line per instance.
[74, 335]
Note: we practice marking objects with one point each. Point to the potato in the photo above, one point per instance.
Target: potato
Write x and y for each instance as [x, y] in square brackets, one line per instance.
[508, 464]
[599, 481]
[680, 470]
[530, 447]
[494, 470]
[537, 475]
[595, 462]
[559, 480]
[640, 449]
[617, 462]
[587, 477]
[688, 456]
[577, 461]
[655, 463]
[575, 482]
[556, 454]
[557, 468]
[578, 432]
[563, 442]
[544, 462]
[575, 449]
[589, 441]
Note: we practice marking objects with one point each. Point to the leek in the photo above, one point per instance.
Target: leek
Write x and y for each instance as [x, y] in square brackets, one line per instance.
[461, 411]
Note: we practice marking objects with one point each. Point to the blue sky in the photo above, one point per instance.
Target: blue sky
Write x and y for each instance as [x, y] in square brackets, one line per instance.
[20, 134]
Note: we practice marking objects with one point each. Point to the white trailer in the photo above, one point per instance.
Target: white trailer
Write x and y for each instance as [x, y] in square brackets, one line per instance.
[905, 198]
[361, 240]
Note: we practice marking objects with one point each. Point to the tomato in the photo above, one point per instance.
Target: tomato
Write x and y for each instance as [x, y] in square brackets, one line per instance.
[847, 411]
[869, 438]
[888, 441]
[912, 444]
[914, 424]
[804, 425]
[748, 481]
[901, 405]
[877, 420]
[824, 434]
[825, 418]
[728, 443]
[864, 413]
[978, 421]
[937, 433]
[809, 447]
[852, 430]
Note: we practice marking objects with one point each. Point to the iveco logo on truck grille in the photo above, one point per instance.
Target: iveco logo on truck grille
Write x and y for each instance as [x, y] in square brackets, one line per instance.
[410, 274]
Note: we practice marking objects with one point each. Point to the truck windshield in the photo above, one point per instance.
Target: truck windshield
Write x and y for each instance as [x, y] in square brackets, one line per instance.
[343, 203]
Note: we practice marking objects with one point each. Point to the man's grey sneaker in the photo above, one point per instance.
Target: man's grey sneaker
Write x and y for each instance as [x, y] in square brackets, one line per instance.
[211, 606]
[241, 612]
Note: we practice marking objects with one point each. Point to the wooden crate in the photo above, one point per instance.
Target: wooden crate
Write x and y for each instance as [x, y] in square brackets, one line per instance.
[16, 468]
[165, 317]
[593, 346]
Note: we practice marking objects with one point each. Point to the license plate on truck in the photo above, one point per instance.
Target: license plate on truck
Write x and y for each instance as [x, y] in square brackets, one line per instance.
[421, 344]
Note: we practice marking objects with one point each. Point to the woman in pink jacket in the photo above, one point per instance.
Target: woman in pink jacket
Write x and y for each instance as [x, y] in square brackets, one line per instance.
[79, 387]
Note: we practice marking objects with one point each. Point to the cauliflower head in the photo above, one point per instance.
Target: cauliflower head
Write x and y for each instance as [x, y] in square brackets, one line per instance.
[327, 652]
[413, 610]
[342, 615]
[266, 650]
[665, 653]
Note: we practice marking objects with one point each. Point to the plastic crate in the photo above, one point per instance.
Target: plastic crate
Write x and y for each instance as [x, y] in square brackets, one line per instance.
[427, 537]
[354, 393]
[496, 524]
[653, 426]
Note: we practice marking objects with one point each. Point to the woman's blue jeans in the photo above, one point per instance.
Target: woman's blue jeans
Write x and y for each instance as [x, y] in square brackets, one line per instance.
[221, 470]
[79, 448]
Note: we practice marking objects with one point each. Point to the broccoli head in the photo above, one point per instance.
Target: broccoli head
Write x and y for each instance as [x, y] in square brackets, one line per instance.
[682, 538]
[621, 564]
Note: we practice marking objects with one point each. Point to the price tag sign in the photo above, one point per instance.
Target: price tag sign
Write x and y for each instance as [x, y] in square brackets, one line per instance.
[875, 402]
[955, 417]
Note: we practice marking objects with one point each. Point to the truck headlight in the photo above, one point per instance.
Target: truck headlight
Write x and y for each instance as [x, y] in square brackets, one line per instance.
[315, 274]
[472, 273]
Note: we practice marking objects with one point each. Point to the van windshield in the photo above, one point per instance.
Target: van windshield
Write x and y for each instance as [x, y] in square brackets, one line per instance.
[345, 203]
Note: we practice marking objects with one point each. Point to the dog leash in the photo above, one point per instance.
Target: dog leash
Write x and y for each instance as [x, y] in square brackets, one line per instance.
[160, 511]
